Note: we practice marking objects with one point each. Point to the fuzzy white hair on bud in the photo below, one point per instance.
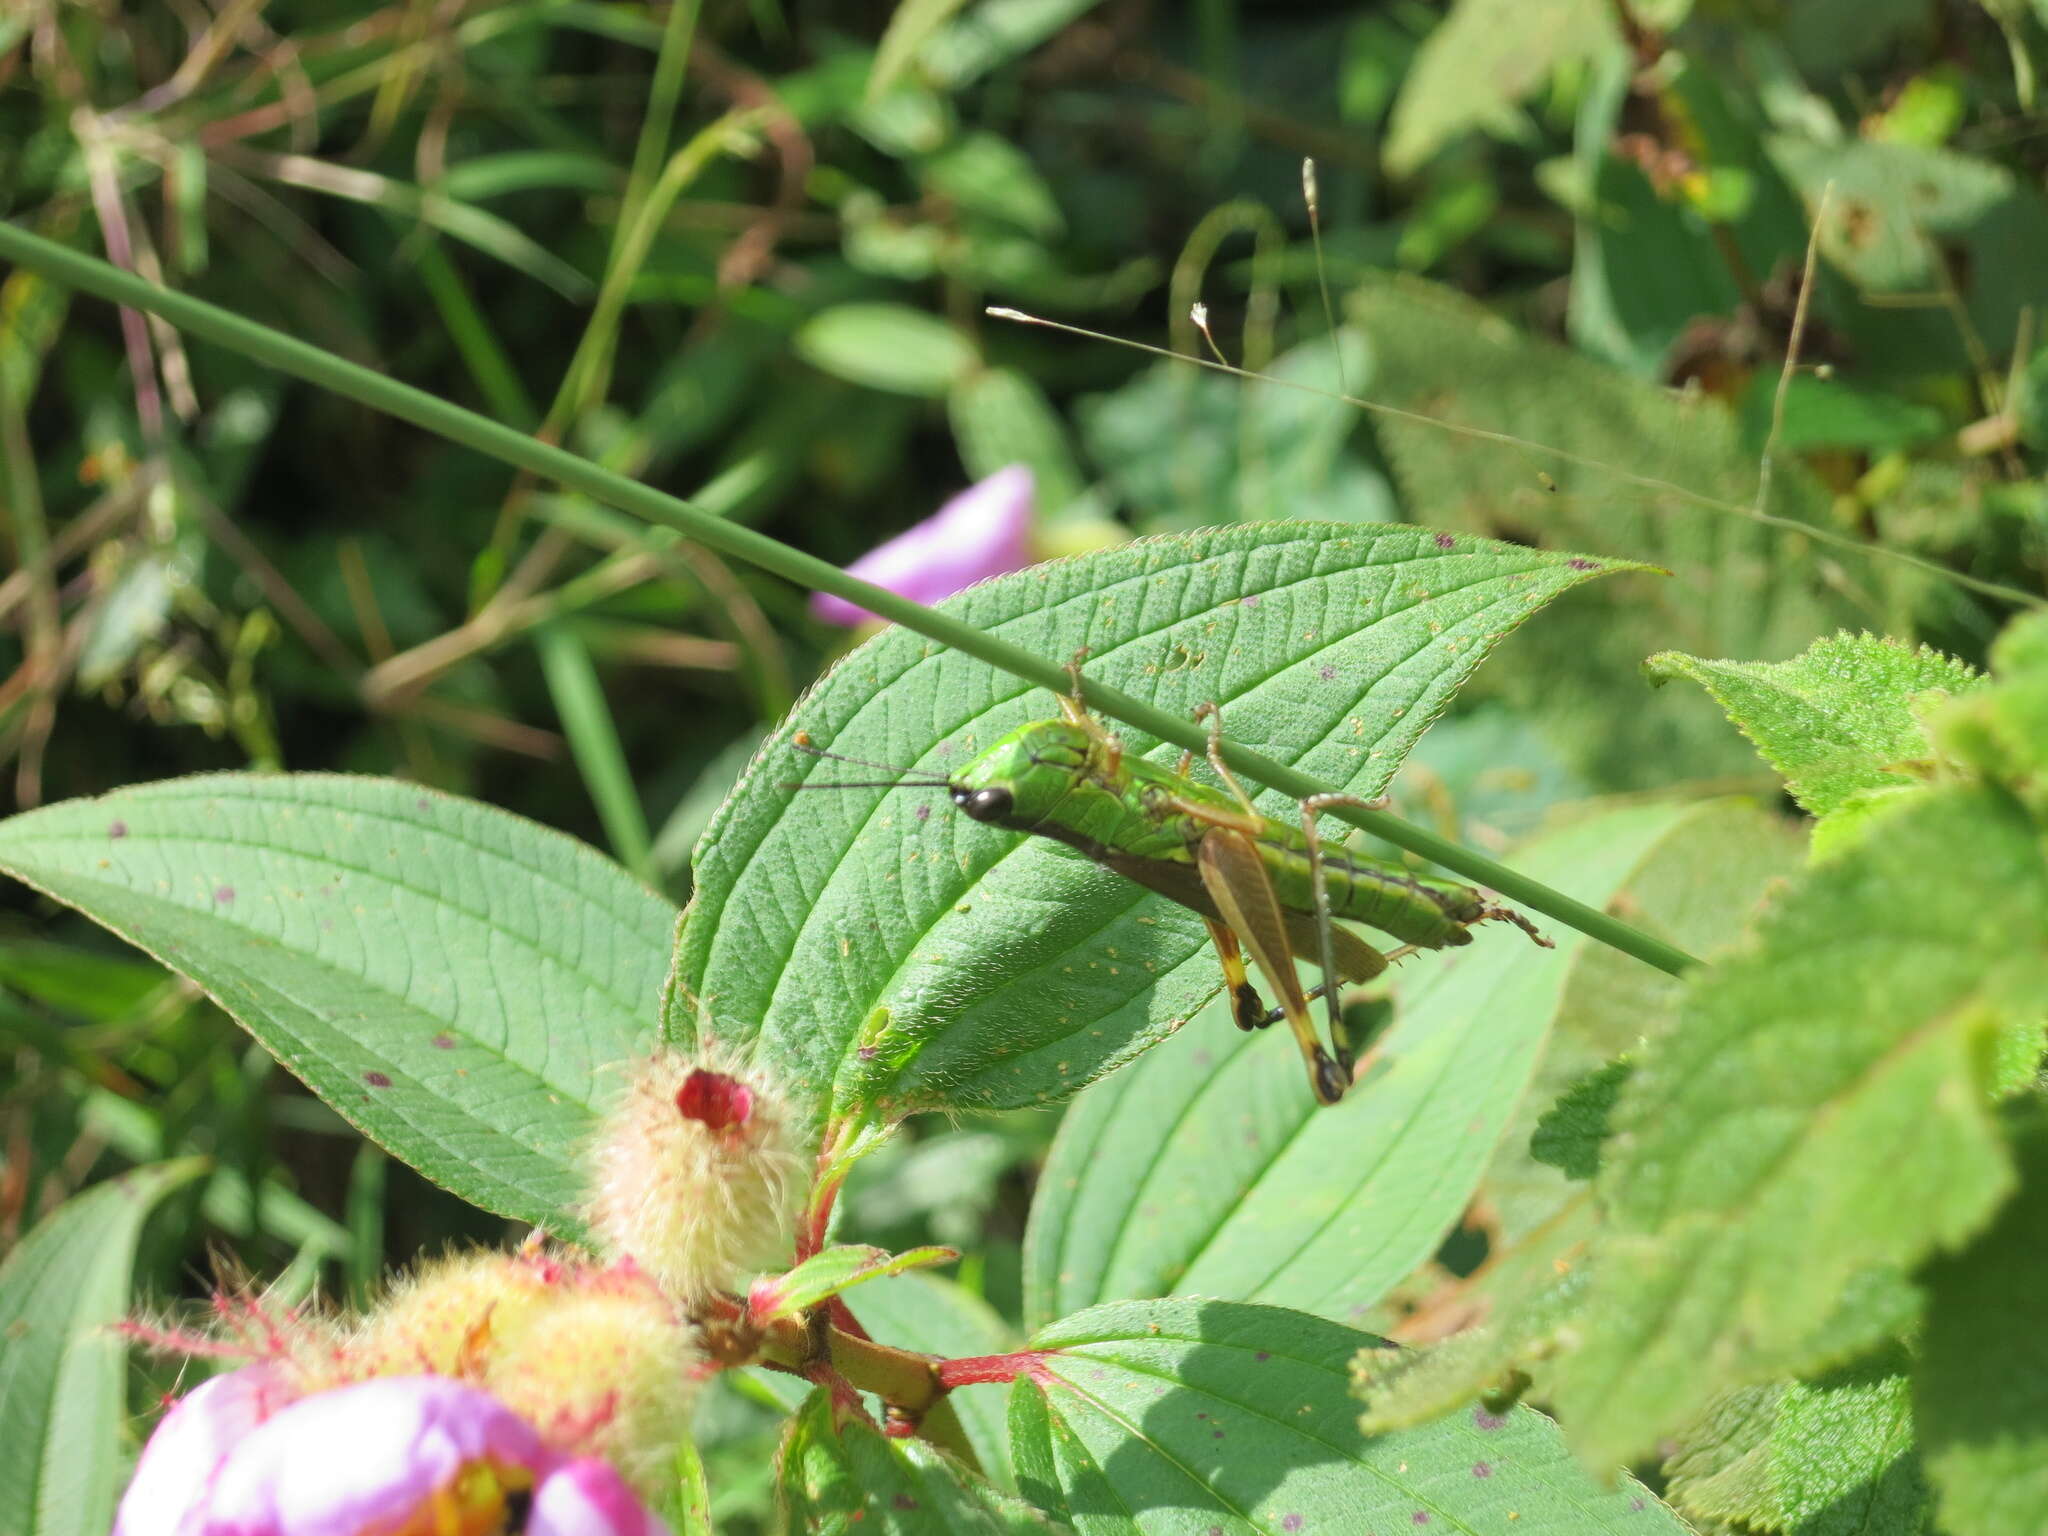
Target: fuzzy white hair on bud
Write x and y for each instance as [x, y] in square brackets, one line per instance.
[695, 1176]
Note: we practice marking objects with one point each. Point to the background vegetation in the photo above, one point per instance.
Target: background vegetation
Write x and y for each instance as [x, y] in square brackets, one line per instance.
[744, 254]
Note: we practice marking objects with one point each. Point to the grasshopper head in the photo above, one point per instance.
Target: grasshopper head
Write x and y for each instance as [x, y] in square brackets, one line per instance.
[1019, 780]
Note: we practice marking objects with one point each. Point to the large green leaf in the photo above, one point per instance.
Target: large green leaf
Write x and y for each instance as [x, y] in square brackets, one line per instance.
[1980, 1387]
[882, 950]
[846, 1479]
[1216, 1416]
[1641, 454]
[61, 1365]
[1821, 1116]
[1204, 1170]
[1834, 720]
[1700, 890]
[453, 980]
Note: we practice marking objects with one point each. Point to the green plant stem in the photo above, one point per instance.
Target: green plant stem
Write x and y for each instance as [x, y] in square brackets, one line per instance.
[289, 355]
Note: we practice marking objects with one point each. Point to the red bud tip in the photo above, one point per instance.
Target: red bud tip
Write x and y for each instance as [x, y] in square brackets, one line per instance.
[714, 1100]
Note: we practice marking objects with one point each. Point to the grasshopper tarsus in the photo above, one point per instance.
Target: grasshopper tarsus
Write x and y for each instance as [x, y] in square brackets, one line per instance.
[1510, 915]
[1249, 1009]
[1330, 1080]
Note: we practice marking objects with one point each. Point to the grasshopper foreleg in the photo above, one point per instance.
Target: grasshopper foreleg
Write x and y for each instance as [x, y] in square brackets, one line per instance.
[1074, 710]
[1212, 714]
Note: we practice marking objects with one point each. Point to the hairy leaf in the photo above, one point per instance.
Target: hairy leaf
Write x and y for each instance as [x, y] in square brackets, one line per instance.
[455, 981]
[1721, 1468]
[1835, 720]
[62, 1290]
[883, 951]
[845, 1479]
[1887, 198]
[1699, 890]
[1206, 1170]
[1980, 1387]
[1842, 1457]
[1839, 1065]
[1173, 1416]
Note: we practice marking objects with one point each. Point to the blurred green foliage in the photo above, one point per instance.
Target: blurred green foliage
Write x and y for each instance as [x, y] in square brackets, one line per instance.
[742, 250]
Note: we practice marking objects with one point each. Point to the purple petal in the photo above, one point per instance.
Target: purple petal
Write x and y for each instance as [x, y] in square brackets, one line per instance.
[368, 1457]
[588, 1498]
[178, 1466]
[984, 531]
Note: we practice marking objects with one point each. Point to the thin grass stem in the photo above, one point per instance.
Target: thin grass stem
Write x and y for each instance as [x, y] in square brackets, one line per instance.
[324, 369]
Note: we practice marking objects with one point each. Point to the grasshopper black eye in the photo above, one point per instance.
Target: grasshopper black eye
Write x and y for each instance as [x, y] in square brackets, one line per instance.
[984, 804]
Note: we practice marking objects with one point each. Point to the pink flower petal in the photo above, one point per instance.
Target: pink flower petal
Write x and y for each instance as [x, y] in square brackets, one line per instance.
[588, 1498]
[366, 1458]
[984, 531]
[181, 1460]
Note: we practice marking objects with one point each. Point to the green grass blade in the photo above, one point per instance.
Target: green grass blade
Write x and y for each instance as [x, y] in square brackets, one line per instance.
[594, 738]
[315, 365]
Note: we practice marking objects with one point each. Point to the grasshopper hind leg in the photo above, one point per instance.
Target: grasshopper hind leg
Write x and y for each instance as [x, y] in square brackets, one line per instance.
[1246, 1006]
[1236, 880]
[1340, 1035]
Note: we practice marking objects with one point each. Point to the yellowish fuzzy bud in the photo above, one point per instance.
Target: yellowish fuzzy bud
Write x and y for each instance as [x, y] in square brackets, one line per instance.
[597, 1360]
[611, 1371]
[444, 1319]
[695, 1178]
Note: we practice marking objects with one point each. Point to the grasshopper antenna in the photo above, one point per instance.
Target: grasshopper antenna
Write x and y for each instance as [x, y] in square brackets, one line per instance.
[802, 742]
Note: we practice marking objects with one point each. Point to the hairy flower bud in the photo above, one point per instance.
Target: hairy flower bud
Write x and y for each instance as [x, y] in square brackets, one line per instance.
[445, 1318]
[610, 1368]
[695, 1178]
[596, 1359]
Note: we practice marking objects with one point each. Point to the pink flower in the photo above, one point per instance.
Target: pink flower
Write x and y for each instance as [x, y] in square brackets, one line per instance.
[175, 1477]
[390, 1455]
[982, 532]
[587, 1498]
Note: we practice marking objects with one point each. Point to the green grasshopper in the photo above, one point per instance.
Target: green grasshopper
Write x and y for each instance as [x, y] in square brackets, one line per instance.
[1259, 884]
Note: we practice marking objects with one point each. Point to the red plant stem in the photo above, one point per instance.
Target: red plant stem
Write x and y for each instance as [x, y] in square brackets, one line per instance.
[972, 1370]
[812, 1237]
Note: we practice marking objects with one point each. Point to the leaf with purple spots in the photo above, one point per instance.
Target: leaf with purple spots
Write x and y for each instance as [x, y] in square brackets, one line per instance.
[455, 981]
[1095, 1442]
[1220, 1178]
[1015, 971]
